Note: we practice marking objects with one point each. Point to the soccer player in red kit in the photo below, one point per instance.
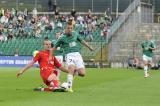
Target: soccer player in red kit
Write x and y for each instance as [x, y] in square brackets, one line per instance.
[47, 68]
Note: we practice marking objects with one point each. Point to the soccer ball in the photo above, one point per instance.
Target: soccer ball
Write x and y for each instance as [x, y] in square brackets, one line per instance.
[64, 85]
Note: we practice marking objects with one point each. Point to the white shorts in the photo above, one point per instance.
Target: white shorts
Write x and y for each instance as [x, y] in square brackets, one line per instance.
[146, 58]
[75, 59]
[59, 58]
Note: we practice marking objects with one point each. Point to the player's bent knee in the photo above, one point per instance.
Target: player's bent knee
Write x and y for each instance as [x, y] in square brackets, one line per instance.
[51, 84]
[82, 74]
[71, 69]
[52, 77]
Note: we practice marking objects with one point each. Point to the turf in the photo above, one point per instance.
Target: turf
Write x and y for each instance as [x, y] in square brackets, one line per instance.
[100, 87]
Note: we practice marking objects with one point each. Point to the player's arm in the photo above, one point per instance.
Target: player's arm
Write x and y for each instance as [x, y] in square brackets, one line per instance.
[25, 68]
[30, 64]
[152, 47]
[87, 45]
[142, 45]
[80, 39]
[54, 47]
[63, 69]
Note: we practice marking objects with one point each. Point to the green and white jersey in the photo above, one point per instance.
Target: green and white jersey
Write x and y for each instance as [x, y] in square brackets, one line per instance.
[59, 50]
[146, 46]
[69, 44]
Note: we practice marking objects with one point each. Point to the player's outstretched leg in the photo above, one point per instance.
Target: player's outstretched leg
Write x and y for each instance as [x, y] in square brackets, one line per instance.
[49, 89]
[146, 71]
[70, 81]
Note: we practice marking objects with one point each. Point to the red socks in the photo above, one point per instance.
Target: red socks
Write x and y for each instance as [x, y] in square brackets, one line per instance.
[55, 83]
[48, 89]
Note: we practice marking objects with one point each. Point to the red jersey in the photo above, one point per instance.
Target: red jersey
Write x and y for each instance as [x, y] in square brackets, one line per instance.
[46, 68]
[42, 58]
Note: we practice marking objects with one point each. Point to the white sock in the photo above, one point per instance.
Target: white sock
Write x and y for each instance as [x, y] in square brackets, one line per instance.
[145, 69]
[69, 80]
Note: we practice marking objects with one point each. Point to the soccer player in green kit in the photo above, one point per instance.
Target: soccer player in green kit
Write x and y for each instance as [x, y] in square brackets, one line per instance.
[69, 42]
[58, 53]
[148, 47]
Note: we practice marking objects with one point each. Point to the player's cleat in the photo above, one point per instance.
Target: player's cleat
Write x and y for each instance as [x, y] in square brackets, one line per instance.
[146, 75]
[59, 90]
[70, 90]
[37, 89]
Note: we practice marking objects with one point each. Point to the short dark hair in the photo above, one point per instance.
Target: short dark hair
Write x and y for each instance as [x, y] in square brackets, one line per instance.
[46, 38]
[69, 22]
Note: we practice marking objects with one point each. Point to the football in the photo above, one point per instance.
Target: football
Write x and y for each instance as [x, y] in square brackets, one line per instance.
[64, 85]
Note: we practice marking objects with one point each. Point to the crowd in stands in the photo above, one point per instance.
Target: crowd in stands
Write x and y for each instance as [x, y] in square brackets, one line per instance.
[18, 24]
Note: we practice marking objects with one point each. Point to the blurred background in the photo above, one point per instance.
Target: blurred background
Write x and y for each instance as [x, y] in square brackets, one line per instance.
[115, 28]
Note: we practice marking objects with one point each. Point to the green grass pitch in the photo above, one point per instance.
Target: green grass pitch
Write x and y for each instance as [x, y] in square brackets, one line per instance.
[100, 87]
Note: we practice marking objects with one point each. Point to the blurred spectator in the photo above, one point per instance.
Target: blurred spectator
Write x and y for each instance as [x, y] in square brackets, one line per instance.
[33, 21]
[80, 20]
[16, 53]
[154, 66]
[59, 24]
[89, 14]
[89, 26]
[1, 37]
[4, 19]
[7, 13]
[1, 12]
[56, 12]
[10, 35]
[13, 13]
[72, 20]
[20, 32]
[73, 13]
[52, 25]
[34, 12]
[25, 13]
[63, 18]
[133, 62]
[48, 26]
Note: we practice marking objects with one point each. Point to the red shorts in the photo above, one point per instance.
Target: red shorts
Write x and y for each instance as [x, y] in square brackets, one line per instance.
[45, 73]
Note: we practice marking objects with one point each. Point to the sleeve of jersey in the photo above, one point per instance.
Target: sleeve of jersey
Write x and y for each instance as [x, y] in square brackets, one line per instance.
[58, 43]
[142, 45]
[153, 45]
[52, 43]
[56, 63]
[36, 58]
